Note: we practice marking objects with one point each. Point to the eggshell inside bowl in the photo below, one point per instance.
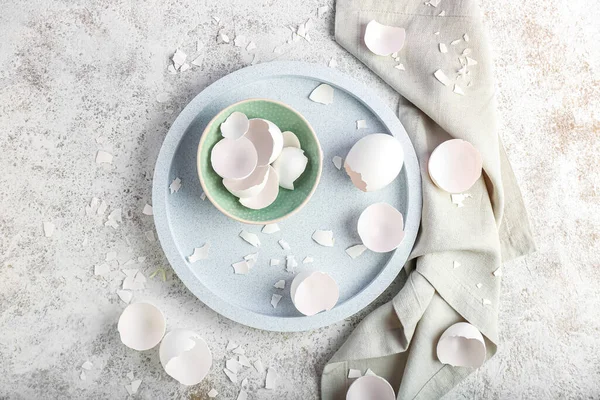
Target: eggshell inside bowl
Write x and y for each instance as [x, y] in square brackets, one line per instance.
[462, 345]
[313, 292]
[370, 387]
[455, 166]
[235, 126]
[141, 326]
[290, 164]
[234, 159]
[290, 140]
[374, 161]
[185, 356]
[384, 40]
[381, 227]
[267, 195]
[250, 186]
[261, 138]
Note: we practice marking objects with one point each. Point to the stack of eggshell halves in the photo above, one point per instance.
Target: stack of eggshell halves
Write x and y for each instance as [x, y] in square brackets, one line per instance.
[255, 158]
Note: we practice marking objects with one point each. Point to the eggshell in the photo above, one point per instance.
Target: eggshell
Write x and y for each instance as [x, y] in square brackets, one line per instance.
[322, 94]
[235, 126]
[267, 139]
[381, 227]
[290, 140]
[267, 195]
[455, 165]
[290, 164]
[374, 161]
[370, 387]
[384, 40]
[313, 292]
[234, 159]
[249, 186]
[185, 356]
[141, 326]
[462, 345]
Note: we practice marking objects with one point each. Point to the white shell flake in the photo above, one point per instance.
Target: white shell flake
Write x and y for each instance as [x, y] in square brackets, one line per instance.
[251, 238]
[356, 251]
[200, 253]
[324, 238]
[322, 94]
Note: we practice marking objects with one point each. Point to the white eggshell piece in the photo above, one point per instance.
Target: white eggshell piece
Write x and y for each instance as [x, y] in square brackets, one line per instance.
[322, 94]
[313, 292]
[374, 161]
[462, 345]
[235, 126]
[356, 251]
[234, 159]
[324, 238]
[270, 228]
[185, 356]
[249, 186]
[267, 139]
[290, 164]
[290, 140]
[384, 40]
[455, 165]
[267, 195]
[370, 387]
[277, 140]
[141, 326]
[381, 227]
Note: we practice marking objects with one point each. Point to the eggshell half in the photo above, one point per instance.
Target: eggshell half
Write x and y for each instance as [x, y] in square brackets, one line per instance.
[374, 161]
[455, 165]
[290, 140]
[313, 292]
[290, 164]
[370, 387]
[141, 326]
[185, 356]
[250, 186]
[384, 40]
[235, 126]
[381, 227]
[234, 159]
[267, 139]
[462, 345]
[267, 195]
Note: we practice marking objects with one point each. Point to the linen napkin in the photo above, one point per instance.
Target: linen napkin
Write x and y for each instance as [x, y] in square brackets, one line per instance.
[451, 271]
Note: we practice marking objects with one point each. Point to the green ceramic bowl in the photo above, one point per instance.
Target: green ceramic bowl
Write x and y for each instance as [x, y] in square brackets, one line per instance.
[288, 202]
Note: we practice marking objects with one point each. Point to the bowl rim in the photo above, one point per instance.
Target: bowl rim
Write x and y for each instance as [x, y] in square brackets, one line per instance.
[270, 221]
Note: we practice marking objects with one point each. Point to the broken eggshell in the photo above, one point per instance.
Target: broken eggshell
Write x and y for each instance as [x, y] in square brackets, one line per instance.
[249, 186]
[462, 345]
[381, 227]
[235, 126]
[234, 159]
[455, 166]
[141, 326]
[267, 139]
[290, 164]
[313, 292]
[374, 161]
[267, 195]
[384, 40]
[370, 387]
[290, 140]
[185, 356]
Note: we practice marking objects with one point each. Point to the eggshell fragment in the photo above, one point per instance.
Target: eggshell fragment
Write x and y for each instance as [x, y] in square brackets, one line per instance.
[455, 166]
[289, 166]
[461, 345]
[141, 326]
[249, 186]
[374, 161]
[381, 227]
[266, 196]
[234, 159]
[185, 356]
[235, 126]
[290, 140]
[370, 387]
[324, 238]
[313, 292]
[322, 94]
[384, 40]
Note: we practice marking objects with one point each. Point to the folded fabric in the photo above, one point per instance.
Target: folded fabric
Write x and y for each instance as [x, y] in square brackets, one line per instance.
[451, 272]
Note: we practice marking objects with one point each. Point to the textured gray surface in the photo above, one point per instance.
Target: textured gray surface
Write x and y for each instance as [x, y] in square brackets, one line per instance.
[70, 72]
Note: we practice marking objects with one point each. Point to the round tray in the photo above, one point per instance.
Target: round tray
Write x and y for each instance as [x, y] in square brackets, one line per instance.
[183, 221]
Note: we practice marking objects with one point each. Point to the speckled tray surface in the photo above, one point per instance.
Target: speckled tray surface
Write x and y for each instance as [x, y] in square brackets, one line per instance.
[183, 221]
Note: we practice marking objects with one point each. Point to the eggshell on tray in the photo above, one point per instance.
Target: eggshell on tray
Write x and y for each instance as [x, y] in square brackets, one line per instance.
[455, 166]
[370, 387]
[185, 356]
[313, 292]
[374, 161]
[384, 40]
[290, 164]
[234, 159]
[381, 227]
[462, 345]
[141, 326]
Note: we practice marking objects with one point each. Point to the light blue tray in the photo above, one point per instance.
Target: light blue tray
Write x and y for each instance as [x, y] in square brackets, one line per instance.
[183, 221]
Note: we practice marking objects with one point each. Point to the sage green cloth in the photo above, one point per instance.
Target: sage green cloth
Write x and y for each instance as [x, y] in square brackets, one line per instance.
[398, 340]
